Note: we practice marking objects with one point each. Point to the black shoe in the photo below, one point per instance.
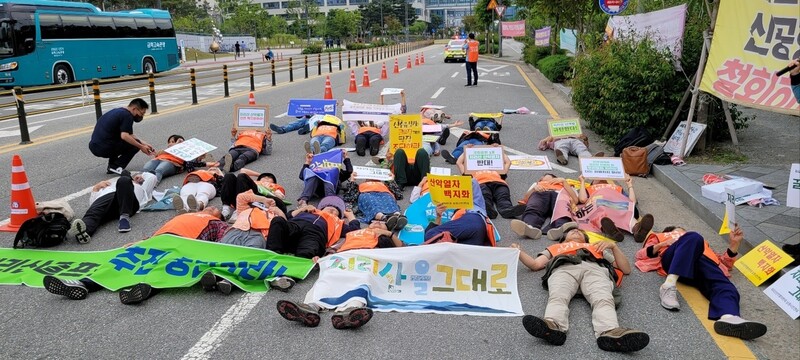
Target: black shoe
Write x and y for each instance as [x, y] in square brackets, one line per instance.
[352, 319]
[448, 157]
[611, 230]
[468, 85]
[374, 150]
[622, 340]
[304, 130]
[301, 313]
[208, 281]
[544, 329]
[642, 228]
[277, 129]
[224, 286]
[135, 294]
[513, 212]
[361, 149]
[445, 134]
[72, 289]
[490, 211]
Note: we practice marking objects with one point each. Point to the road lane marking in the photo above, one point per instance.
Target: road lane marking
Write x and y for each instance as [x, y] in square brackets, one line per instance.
[455, 74]
[212, 339]
[539, 94]
[500, 83]
[281, 115]
[437, 93]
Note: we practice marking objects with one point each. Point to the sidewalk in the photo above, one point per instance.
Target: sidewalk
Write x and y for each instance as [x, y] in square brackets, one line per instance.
[255, 57]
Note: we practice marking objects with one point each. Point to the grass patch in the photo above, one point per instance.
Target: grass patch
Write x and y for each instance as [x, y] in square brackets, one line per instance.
[202, 55]
[719, 155]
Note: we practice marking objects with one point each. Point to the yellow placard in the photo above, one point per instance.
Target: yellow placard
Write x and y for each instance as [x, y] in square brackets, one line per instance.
[453, 191]
[724, 228]
[405, 132]
[753, 40]
[762, 262]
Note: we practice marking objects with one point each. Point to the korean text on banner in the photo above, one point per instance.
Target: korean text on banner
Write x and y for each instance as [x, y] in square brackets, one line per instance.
[439, 278]
[561, 128]
[303, 107]
[793, 189]
[786, 292]
[405, 132]
[542, 36]
[190, 149]
[251, 116]
[377, 113]
[480, 158]
[673, 145]
[752, 40]
[455, 192]
[605, 168]
[372, 173]
[513, 28]
[762, 262]
[529, 162]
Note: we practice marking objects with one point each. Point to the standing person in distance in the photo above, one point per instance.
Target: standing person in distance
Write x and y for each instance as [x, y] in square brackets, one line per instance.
[471, 47]
[113, 137]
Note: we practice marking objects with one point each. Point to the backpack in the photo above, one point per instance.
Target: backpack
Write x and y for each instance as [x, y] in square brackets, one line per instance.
[653, 152]
[638, 136]
[45, 230]
[634, 160]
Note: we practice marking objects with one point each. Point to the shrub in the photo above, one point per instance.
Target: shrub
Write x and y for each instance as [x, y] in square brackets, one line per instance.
[335, 49]
[532, 54]
[482, 49]
[356, 46]
[555, 67]
[312, 49]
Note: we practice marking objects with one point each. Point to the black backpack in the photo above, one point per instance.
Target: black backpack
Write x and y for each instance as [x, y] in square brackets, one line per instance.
[45, 230]
[638, 136]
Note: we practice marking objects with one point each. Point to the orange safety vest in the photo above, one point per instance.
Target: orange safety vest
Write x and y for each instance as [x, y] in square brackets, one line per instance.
[251, 139]
[591, 189]
[360, 239]
[707, 251]
[260, 219]
[171, 158]
[489, 226]
[204, 175]
[571, 248]
[472, 50]
[334, 225]
[188, 225]
[428, 122]
[328, 130]
[274, 187]
[487, 176]
[547, 186]
[373, 186]
[364, 129]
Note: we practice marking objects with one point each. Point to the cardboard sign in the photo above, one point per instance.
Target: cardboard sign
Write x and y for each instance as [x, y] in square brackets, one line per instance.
[673, 145]
[561, 128]
[793, 189]
[762, 262]
[440, 171]
[391, 91]
[429, 129]
[786, 292]
[303, 107]
[530, 162]
[372, 173]
[480, 158]
[190, 149]
[430, 138]
[251, 117]
[455, 192]
[405, 132]
[379, 114]
[604, 168]
[729, 222]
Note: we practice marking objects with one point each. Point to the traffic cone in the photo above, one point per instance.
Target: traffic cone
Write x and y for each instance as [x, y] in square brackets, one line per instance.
[408, 63]
[252, 99]
[365, 82]
[353, 88]
[422, 58]
[416, 59]
[396, 67]
[383, 72]
[23, 207]
[328, 92]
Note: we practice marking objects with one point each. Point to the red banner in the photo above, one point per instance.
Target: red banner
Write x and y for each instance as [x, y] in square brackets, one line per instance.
[513, 28]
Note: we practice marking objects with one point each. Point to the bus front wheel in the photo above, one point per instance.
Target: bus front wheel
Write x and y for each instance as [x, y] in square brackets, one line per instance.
[148, 66]
[62, 75]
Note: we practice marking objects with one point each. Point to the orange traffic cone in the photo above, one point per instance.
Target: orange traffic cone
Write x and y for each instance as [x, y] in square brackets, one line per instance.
[422, 58]
[384, 76]
[353, 88]
[23, 207]
[365, 82]
[396, 67]
[416, 59]
[252, 99]
[408, 63]
[328, 92]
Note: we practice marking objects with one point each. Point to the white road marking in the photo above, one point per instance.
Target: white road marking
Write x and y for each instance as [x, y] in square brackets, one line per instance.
[373, 80]
[455, 74]
[491, 69]
[18, 132]
[281, 115]
[220, 330]
[45, 121]
[437, 93]
[500, 83]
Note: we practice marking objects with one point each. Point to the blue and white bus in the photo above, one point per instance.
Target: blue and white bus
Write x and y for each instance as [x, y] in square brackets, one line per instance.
[58, 42]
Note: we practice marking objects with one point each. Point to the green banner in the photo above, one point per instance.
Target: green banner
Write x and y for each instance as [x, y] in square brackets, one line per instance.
[561, 128]
[163, 261]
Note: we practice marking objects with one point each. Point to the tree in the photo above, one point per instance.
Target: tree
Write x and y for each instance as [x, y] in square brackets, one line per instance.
[436, 23]
[582, 15]
[342, 24]
[303, 11]
[378, 12]
[418, 27]
[393, 26]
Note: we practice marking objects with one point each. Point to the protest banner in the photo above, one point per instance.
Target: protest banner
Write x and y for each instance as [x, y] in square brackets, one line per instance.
[430, 138]
[440, 171]
[512, 28]
[440, 278]
[378, 113]
[673, 145]
[569, 40]
[484, 158]
[254, 117]
[419, 214]
[664, 28]
[542, 36]
[762, 262]
[786, 292]
[405, 132]
[602, 168]
[753, 40]
[561, 128]
[303, 107]
[429, 129]
[455, 192]
[163, 261]
[793, 189]
[529, 162]
[190, 149]
[372, 173]
[325, 166]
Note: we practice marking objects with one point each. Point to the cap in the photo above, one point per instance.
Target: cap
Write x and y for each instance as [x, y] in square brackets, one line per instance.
[269, 175]
[334, 201]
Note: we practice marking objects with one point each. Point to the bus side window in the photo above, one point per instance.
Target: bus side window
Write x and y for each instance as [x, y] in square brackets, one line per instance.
[102, 27]
[165, 28]
[76, 26]
[25, 32]
[126, 27]
[51, 26]
[146, 27]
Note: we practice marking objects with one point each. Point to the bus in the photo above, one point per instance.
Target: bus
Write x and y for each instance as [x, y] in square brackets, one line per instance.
[58, 42]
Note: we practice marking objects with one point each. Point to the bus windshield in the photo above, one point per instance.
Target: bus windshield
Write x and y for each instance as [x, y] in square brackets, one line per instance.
[6, 37]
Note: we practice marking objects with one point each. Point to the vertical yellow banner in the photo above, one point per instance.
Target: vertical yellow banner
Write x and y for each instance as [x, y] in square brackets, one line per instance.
[405, 132]
[453, 191]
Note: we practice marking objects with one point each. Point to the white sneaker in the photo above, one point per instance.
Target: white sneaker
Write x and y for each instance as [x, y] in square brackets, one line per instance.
[523, 229]
[669, 297]
[226, 212]
[234, 216]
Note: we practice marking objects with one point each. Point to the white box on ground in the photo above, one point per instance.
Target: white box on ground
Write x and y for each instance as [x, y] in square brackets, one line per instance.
[739, 187]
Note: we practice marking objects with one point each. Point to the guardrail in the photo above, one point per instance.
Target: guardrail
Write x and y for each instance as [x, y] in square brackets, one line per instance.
[209, 76]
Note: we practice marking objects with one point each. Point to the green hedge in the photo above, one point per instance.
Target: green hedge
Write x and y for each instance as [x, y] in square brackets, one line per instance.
[482, 48]
[357, 46]
[532, 54]
[555, 67]
[334, 50]
[312, 49]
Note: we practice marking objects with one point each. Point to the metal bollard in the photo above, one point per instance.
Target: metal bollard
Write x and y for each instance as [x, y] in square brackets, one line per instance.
[340, 61]
[193, 79]
[319, 64]
[23, 121]
[98, 108]
[362, 57]
[356, 58]
[306, 65]
[151, 83]
[330, 63]
[291, 71]
[225, 79]
[348, 59]
[252, 78]
[273, 72]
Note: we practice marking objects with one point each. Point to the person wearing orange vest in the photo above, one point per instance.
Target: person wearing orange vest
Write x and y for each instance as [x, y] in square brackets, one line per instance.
[408, 172]
[247, 145]
[324, 136]
[471, 46]
[372, 197]
[253, 222]
[638, 226]
[471, 227]
[564, 147]
[540, 202]
[573, 266]
[199, 187]
[314, 186]
[469, 137]
[368, 134]
[494, 188]
[686, 257]
[166, 164]
[207, 225]
[264, 184]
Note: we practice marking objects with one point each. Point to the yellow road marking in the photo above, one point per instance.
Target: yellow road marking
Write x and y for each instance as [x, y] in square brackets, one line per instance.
[733, 348]
[538, 93]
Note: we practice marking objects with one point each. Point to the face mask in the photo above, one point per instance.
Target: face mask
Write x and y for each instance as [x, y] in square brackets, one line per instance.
[138, 118]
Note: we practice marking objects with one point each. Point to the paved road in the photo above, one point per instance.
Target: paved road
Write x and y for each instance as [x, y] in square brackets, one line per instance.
[191, 324]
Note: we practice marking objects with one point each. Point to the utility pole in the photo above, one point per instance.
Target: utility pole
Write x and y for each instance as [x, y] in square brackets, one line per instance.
[499, 32]
[406, 4]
